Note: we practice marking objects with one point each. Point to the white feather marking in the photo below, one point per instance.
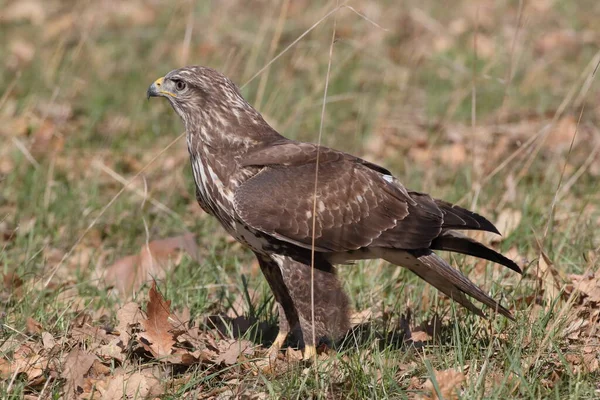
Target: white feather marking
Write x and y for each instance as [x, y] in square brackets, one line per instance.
[244, 235]
[321, 206]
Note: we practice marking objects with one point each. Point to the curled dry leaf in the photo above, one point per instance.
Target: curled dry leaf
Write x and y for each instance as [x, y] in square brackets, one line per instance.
[158, 337]
[75, 366]
[235, 349]
[448, 383]
[588, 285]
[28, 360]
[153, 261]
[48, 340]
[128, 316]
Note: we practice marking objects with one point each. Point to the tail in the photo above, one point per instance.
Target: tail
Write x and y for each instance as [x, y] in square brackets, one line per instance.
[459, 243]
[437, 272]
[456, 217]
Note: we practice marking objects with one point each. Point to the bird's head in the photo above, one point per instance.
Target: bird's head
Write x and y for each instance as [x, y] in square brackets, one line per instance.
[196, 90]
[210, 105]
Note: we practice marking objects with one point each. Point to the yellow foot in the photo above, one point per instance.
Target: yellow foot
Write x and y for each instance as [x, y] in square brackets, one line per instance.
[266, 364]
[309, 353]
[273, 351]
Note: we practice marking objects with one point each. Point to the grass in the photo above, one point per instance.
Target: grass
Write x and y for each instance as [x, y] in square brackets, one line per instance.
[400, 96]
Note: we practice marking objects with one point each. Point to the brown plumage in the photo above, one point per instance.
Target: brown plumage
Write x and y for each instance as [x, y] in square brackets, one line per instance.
[260, 186]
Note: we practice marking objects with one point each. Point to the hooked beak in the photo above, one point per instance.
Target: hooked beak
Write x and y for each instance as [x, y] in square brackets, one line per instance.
[156, 89]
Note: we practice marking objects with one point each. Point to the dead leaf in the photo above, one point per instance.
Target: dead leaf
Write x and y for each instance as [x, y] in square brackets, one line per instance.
[6, 166]
[13, 284]
[32, 326]
[46, 140]
[560, 137]
[21, 54]
[76, 365]
[153, 261]
[366, 315]
[234, 351]
[453, 155]
[420, 336]
[30, 10]
[28, 361]
[158, 329]
[588, 284]
[507, 222]
[128, 316]
[448, 382]
[551, 41]
[138, 385]
[61, 24]
[427, 330]
[48, 340]
[111, 350]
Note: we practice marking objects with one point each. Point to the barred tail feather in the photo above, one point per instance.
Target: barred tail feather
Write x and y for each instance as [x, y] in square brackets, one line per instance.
[437, 272]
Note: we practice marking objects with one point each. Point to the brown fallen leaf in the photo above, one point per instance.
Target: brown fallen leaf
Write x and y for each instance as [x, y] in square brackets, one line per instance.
[75, 366]
[234, 350]
[111, 350]
[27, 10]
[32, 326]
[46, 140]
[428, 330]
[138, 385]
[48, 340]
[128, 315]
[153, 261]
[158, 337]
[448, 382]
[361, 317]
[369, 314]
[507, 222]
[21, 54]
[453, 155]
[588, 285]
[28, 361]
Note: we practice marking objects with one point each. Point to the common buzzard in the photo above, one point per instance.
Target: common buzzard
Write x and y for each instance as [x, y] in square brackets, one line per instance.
[261, 187]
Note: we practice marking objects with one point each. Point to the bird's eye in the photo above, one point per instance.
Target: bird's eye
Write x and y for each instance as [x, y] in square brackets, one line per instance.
[180, 85]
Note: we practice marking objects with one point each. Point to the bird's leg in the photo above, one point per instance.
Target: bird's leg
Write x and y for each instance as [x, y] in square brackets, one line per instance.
[284, 330]
[329, 300]
[310, 352]
[288, 316]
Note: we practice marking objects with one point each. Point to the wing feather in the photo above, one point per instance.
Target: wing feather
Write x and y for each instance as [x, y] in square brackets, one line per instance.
[355, 205]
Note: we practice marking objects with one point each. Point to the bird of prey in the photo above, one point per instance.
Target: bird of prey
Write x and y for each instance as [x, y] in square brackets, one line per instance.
[261, 187]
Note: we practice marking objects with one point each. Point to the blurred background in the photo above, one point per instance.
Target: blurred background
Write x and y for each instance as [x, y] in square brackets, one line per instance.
[491, 104]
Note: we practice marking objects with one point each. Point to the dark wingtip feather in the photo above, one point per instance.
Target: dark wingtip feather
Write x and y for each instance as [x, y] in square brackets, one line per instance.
[459, 243]
[456, 217]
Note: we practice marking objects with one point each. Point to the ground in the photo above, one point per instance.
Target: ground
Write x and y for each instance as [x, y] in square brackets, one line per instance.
[493, 105]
